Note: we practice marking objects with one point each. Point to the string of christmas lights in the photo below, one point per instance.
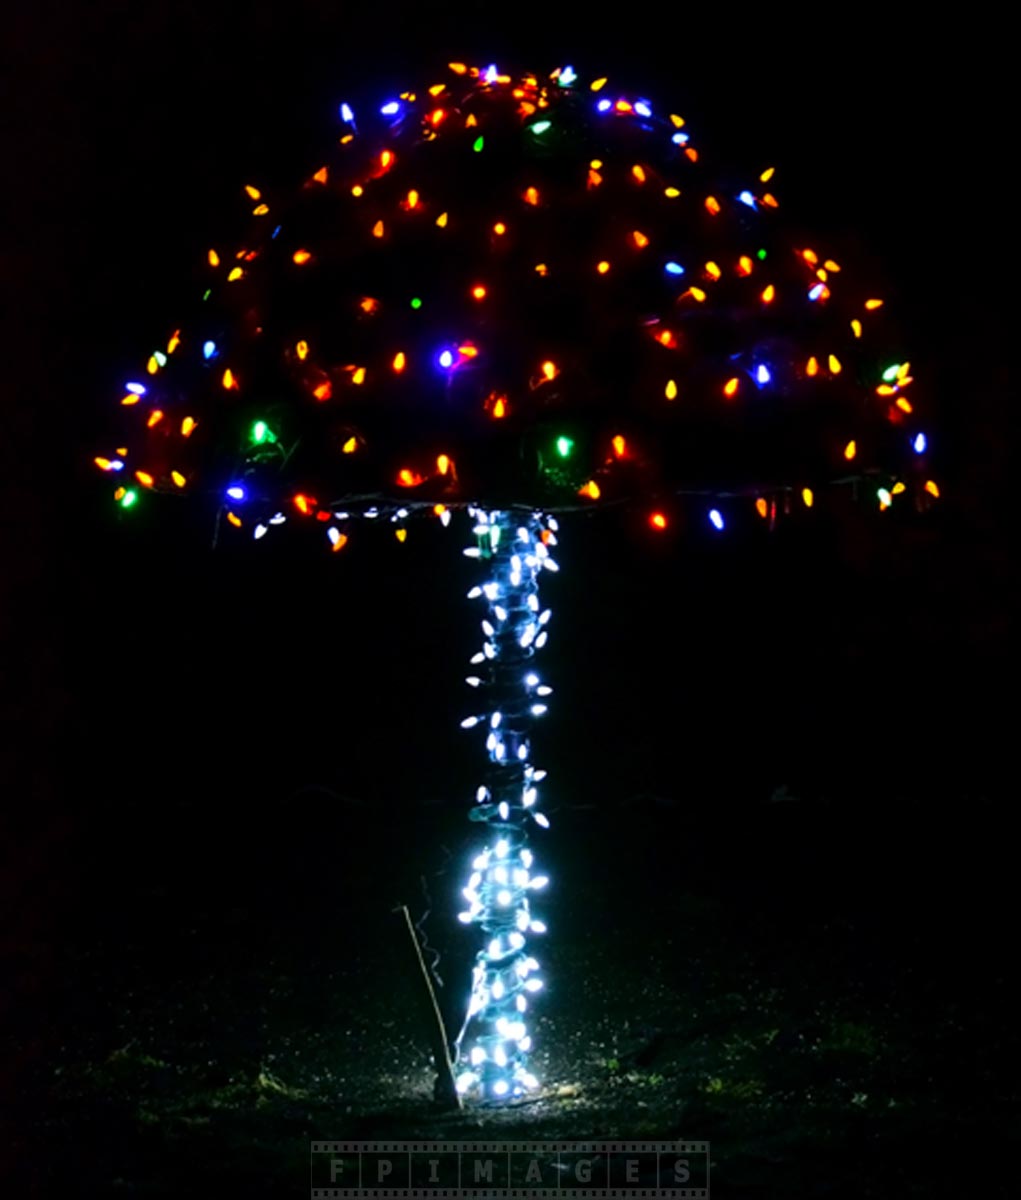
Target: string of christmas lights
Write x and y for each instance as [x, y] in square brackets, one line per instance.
[511, 290]
[498, 892]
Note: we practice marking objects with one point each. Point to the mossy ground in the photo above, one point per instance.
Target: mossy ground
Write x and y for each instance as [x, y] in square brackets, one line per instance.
[833, 1028]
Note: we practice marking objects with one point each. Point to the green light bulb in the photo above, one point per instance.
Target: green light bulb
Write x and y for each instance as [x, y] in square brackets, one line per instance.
[564, 446]
[129, 498]
[416, 302]
[890, 374]
[478, 143]
[540, 126]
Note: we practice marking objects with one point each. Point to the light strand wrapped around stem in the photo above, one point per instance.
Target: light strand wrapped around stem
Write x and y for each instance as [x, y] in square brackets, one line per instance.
[494, 1065]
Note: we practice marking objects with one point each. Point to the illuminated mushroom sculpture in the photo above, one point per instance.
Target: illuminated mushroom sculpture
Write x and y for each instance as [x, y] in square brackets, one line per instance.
[504, 298]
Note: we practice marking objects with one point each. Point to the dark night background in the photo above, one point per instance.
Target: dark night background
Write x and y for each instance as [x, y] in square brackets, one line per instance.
[782, 765]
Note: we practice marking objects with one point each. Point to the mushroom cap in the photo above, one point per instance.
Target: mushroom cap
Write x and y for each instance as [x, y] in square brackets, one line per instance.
[506, 290]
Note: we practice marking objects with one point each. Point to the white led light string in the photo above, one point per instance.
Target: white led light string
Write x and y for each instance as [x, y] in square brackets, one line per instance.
[494, 1043]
